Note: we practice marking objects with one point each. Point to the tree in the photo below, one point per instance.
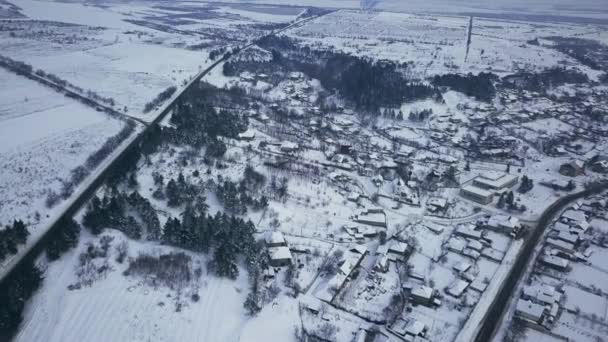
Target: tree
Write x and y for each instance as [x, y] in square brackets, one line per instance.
[64, 239]
[510, 199]
[20, 231]
[173, 196]
[251, 304]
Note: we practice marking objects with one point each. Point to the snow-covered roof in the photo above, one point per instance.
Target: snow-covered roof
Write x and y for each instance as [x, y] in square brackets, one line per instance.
[530, 309]
[503, 221]
[423, 292]
[496, 182]
[398, 247]
[279, 253]
[458, 287]
[275, 238]
[478, 191]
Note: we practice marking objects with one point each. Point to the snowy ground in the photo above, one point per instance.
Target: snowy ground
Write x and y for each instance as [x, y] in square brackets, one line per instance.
[434, 45]
[128, 52]
[43, 135]
[126, 309]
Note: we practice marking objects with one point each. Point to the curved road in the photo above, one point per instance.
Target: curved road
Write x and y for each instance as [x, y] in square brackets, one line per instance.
[501, 302]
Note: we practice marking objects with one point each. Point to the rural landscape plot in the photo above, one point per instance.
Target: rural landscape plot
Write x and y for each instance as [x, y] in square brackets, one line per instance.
[292, 173]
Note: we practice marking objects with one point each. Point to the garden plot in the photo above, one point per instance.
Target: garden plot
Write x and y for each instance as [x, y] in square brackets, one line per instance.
[43, 135]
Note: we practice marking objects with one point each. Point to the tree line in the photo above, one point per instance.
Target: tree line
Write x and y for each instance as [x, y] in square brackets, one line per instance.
[366, 83]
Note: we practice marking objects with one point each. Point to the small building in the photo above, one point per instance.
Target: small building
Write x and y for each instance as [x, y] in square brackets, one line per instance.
[289, 146]
[561, 245]
[457, 288]
[422, 295]
[476, 194]
[434, 227]
[555, 262]
[275, 239]
[247, 135]
[371, 217]
[530, 311]
[572, 168]
[435, 204]
[503, 224]
[399, 248]
[279, 256]
[467, 232]
[495, 183]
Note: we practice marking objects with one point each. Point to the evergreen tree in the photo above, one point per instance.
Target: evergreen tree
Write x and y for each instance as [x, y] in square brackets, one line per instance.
[64, 239]
[173, 196]
[20, 231]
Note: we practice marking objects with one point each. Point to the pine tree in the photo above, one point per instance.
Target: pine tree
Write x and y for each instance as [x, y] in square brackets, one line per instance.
[20, 231]
[173, 196]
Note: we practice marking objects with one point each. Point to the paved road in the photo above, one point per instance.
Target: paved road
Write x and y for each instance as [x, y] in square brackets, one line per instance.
[501, 302]
[37, 240]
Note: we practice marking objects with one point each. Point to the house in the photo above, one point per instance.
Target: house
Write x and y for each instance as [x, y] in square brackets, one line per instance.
[599, 164]
[434, 227]
[247, 135]
[398, 250]
[555, 262]
[462, 267]
[543, 294]
[409, 328]
[530, 311]
[561, 245]
[467, 232]
[457, 288]
[422, 295]
[569, 237]
[493, 254]
[495, 183]
[275, 239]
[572, 168]
[371, 217]
[354, 197]
[289, 146]
[476, 194]
[279, 256]
[503, 224]
[435, 204]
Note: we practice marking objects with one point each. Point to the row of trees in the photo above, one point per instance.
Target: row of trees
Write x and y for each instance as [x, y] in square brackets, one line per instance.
[160, 98]
[11, 237]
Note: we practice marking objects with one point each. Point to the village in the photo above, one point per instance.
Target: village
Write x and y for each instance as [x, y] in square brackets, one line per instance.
[306, 189]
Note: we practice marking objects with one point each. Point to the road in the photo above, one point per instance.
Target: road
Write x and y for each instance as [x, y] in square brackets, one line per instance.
[500, 304]
[38, 239]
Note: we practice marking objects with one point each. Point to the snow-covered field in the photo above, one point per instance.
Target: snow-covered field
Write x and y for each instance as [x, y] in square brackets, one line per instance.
[129, 53]
[43, 136]
[121, 308]
[434, 45]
